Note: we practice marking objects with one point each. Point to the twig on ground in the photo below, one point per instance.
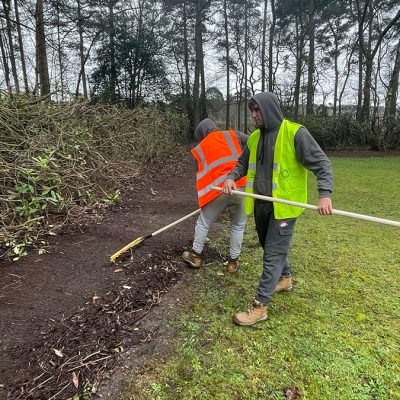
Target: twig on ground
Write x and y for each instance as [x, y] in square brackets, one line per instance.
[92, 362]
[53, 397]
[40, 384]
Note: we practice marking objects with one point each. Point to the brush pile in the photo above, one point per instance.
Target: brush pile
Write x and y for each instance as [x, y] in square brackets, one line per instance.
[57, 158]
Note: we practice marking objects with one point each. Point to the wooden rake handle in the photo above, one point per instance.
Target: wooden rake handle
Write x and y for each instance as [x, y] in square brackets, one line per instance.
[313, 207]
[142, 238]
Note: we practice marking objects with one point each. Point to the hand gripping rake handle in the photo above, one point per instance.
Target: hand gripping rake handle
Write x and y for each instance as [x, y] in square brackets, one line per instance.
[312, 207]
[142, 238]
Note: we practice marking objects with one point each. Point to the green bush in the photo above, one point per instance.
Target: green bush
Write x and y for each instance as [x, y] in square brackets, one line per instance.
[345, 133]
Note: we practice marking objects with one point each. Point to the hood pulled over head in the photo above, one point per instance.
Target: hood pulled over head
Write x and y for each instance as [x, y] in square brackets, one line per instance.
[270, 110]
[204, 128]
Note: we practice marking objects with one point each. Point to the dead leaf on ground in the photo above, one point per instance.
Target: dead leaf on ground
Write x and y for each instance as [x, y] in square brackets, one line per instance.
[292, 393]
[59, 353]
[75, 380]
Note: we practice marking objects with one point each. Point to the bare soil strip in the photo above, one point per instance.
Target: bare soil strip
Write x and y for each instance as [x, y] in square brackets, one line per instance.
[69, 315]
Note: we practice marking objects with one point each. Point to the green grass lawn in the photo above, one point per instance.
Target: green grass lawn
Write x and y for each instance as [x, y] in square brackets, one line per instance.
[336, 336]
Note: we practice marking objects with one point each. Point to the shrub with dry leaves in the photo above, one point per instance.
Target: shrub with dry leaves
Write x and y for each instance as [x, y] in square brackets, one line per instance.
[55, 158]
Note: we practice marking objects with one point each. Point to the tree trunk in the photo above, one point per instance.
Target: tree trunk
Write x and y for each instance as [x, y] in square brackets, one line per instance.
[82, 72]
[137, 70]
[336, 67]
[374, 94]
[84, 62]
[130, 83]
[227, 48]
[311, 56]
[366, 92]
[203, 103]
[336, 88]
[189, 109]
[299, 60]
[369, 61]
[21, 48]
[203, 100]
[346, 79]
[360, 83]
[197, 69]
[60, 52]
[392, 92]
[111, 35]
[41, 54]
[181, 76]
[263, 45]
[6, 68]
[270, 48]
[6, 7]
[239, 103]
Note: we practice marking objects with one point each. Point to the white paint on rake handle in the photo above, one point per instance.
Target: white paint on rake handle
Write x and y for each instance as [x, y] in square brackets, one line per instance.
[313, 207]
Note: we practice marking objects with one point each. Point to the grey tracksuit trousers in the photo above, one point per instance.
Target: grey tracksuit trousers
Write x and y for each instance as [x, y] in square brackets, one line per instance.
[209, 213]
[275, 237]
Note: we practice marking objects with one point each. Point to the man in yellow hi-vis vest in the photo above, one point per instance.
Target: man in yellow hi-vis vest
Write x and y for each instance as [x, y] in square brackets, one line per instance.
[276, 159]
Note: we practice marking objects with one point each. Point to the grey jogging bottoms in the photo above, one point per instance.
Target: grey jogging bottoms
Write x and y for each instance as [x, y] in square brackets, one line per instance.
[275, 237]
[209, 213]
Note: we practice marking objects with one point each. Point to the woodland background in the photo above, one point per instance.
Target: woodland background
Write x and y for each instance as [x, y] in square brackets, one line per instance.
[321, 57]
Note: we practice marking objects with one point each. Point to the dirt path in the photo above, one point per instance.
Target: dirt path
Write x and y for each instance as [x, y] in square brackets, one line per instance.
[67, 316]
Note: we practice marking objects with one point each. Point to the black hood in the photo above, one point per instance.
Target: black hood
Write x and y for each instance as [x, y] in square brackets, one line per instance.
[270, 110]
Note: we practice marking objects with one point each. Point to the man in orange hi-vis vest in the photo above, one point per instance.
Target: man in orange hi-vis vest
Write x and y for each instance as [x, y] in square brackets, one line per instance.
[216, 155]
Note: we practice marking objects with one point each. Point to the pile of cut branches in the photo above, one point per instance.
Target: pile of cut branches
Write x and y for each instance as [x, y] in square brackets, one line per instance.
[57, 157]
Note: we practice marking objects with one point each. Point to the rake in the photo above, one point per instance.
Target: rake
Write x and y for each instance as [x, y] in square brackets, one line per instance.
[143, 238]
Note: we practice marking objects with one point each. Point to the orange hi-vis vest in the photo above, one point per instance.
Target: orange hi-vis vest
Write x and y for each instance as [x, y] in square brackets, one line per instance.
[216, 156]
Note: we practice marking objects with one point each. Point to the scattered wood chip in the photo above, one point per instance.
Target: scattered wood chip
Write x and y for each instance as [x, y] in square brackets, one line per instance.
[95, 298]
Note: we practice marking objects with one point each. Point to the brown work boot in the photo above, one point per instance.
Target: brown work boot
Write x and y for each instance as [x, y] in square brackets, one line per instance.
[284, 285]
[192, 258]
[256, 313]
[233, 265]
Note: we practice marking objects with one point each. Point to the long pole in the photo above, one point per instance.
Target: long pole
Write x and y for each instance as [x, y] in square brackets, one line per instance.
[142, 238]
[313, 207]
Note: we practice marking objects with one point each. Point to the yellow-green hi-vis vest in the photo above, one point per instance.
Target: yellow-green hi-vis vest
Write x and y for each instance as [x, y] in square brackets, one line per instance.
[289, 177]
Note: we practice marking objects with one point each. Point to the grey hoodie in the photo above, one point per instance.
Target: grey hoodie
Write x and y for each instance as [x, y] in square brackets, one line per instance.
[204, 128]
[207, 126]
[308, 152]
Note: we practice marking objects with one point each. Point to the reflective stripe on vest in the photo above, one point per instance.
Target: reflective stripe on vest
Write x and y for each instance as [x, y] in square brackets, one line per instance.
[216, 155]
[289, 177]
